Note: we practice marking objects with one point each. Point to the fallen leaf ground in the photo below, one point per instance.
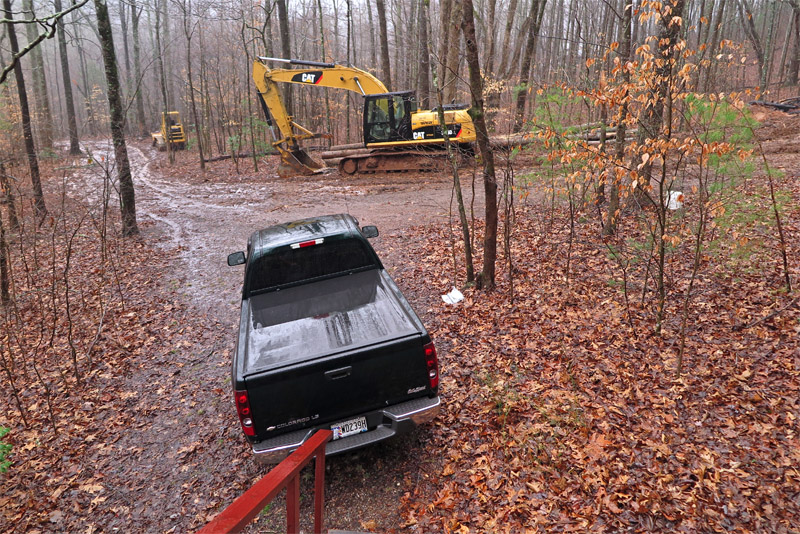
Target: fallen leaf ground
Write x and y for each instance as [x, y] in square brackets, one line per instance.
[562, 410]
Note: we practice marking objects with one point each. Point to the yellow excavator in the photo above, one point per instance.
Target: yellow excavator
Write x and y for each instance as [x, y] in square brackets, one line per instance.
[395, 131]
[171, 132]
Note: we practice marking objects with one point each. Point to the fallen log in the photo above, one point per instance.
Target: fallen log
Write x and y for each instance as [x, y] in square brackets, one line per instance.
[351, 146]
[774, 105]
[240, 155]
[343, 153]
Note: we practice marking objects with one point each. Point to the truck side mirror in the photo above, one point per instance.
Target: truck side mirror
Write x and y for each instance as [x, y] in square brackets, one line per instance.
[369, 231]
[237, 258]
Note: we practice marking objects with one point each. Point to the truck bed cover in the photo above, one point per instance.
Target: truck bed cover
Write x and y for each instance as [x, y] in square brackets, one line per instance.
[332, 316]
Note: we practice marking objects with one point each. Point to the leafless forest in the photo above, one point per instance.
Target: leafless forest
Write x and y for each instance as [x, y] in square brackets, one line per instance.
[625, 232]
[178, 54]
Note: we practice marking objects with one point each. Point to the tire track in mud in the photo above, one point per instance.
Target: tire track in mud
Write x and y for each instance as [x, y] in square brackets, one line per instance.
[200, 223]
[200, 228]
[204, 221]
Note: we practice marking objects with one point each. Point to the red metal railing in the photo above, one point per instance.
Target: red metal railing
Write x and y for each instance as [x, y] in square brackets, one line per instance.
[285, 475]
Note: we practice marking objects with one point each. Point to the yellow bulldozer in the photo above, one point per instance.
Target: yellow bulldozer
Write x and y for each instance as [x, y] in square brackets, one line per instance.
[171, 132]
[399, 136]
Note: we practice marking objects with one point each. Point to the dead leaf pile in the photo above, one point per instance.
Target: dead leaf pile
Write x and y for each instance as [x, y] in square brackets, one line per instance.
[562, 411]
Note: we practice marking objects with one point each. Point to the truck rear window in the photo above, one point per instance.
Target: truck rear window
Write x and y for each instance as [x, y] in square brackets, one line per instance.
[288, 265]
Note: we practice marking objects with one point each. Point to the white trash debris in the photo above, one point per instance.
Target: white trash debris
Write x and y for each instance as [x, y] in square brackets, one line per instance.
[454, 297]
[675, 200]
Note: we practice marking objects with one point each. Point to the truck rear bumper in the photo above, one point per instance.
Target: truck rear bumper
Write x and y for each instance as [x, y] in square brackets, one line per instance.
[393, 420]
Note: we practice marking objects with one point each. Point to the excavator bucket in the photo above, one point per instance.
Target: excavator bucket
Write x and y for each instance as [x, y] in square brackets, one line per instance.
[298, 162]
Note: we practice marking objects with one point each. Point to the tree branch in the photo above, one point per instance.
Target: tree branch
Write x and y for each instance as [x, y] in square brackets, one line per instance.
[48, 22]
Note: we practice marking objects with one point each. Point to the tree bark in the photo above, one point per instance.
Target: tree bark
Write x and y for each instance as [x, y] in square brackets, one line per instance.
[72, 123]
[490, 37]
[9, 198]
[652, 119]
[30, 147]
[535, 17]
[286, 50]
[445, 7]
[384, 38]
[613, 208]
[189, 33]
[453, 53]
[40, 96]
[794, 62]
[424, 60]
[127, 199]
[372, 48]
[503, 68]
[163, 78]
[136, 12]
[487, 279]
[5, 269]
[746, 16]
[715, 40]
[123, 25]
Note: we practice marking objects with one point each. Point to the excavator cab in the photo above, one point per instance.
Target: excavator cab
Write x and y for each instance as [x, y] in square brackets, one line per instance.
[387, 117]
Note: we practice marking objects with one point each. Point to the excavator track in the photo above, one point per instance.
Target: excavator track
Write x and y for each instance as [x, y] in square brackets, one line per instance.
[390, 160]
[397, 161]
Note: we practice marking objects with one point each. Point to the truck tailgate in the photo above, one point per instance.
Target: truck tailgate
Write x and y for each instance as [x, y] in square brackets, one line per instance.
[332, 389]
[321, 352]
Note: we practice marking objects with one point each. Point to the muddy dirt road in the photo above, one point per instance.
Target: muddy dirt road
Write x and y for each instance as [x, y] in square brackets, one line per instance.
[207, 217]
[196, 219]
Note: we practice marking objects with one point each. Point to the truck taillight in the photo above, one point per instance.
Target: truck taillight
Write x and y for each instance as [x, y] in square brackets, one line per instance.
[245, 415]
[433, 364]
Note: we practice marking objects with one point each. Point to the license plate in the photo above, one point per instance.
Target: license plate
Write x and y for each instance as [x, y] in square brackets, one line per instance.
[349, 427]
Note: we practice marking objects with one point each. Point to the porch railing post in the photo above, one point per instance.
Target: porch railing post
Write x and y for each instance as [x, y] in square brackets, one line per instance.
[293, 505]
[319, 490]
[247, 506]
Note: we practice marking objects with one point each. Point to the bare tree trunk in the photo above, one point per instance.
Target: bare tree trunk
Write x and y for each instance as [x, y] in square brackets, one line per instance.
[322, 58]
[490, 39]
[613, 208]
[536, 15]
[189, 33]
[424, 60]
[384, 38]
[9, 199]
[794, 62]
[5, 269]
[72, 123]
[136, 12]
[487, 279]
[127, 199]
[506, 48]
[652, 119]
[45, 124]
[715, 40]
[453, 53]
[163, 79]
[30, 147]
[286, 50]
[469, 263]
[372, 47]
[769, 52]
[746, 16]
[123, 25]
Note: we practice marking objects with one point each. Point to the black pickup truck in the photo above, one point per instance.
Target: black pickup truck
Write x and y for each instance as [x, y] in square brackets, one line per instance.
[326, 340]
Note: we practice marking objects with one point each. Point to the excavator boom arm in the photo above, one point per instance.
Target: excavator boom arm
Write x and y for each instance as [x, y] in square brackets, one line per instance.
[321, 75]
[312, 73]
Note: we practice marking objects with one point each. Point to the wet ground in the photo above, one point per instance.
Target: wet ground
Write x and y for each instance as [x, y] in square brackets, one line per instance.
[207, 215]
[197, 218]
